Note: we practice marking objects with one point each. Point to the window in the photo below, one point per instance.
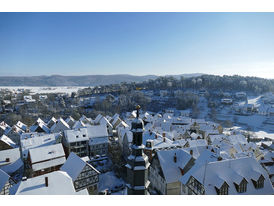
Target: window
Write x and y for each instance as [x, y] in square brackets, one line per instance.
[195, 186]
[223, 189]
[259, 183]
[242, 186]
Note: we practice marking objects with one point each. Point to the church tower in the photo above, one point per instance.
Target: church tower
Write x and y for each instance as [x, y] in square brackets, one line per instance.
[137, 162]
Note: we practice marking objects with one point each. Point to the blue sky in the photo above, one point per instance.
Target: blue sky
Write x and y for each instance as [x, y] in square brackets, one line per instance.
[137, 43]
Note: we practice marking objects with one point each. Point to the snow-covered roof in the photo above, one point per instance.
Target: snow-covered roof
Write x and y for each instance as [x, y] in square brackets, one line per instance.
[197, 152]
[214, 174]
[40, 124]
[53, 119]
[21, 125]
[15, 129]
[11, 154]
[104, 121]
[219, 137]
[86, 120]
[181, 120]
[32, 141]
[97, 131]
[59, 183]
[78, 124]
[4, 125]
[4, 178]
[180, 142]
[70, 118]
[159, 142]
[194, 136]
[13, 167]
[74, 166]
[115, 116]
[197, 143]
[268, 157]
[116, 121]
[60, 125]
[98, 118]
[47, 156]
[122, 124]
[7, 140]
[98, 140]
[171, 169]
[86, 158]
[76, 135]
[51, 122]
[209, 132]
[239, 138]
[270, 169]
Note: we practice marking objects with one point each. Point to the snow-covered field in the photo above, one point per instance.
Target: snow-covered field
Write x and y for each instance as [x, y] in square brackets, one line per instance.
[263, 134]
[45, 90]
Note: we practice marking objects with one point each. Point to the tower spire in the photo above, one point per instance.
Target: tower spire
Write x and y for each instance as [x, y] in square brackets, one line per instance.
[137, 163]
[138, 107]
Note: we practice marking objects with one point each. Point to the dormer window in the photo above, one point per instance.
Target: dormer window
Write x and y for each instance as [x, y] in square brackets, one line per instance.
[195, 186]
[223, 190]
[259, 183]
[242, 186]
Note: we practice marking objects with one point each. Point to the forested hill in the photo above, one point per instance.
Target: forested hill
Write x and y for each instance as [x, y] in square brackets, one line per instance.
[58, 80]
[87, 80]
[213, 82]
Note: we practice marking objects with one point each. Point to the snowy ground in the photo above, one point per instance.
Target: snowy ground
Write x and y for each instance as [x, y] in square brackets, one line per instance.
[262, 134]
[44, 90]
[108, 180]
[260, 124]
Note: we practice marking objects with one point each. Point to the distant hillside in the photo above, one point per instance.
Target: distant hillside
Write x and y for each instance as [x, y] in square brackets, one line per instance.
[88, 80]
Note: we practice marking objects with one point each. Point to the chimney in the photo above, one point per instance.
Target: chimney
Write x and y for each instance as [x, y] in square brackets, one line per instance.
[191, 152]
[175, 158]
[46, 181]
[7, 159]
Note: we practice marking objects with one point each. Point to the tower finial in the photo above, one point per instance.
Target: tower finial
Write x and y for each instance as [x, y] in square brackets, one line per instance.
[138, 107]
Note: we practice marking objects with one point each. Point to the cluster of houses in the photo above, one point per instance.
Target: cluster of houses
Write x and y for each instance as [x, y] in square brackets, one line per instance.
[194, 156]
[186, 156]
[242, 106]
[47, 157]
